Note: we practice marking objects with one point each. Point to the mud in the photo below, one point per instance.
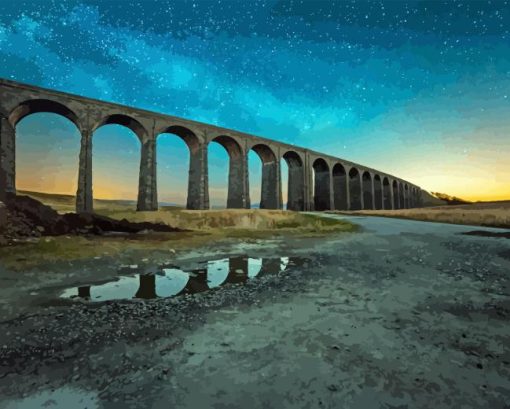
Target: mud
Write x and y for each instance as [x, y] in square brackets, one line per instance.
[403, 314]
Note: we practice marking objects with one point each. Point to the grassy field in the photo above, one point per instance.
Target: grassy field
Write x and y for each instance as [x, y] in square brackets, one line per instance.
[491, 214]
[253, 220]
[205, 228]
[66, 203]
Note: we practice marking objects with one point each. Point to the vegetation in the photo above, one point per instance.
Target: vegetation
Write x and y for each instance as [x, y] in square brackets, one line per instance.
[250, 221]
[450, 200]
[489, 214]
[205, 227]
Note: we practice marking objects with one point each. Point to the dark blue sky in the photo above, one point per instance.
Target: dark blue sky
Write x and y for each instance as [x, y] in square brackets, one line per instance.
[419, 89]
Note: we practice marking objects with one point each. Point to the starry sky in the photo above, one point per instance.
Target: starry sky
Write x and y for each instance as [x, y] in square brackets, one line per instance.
[419, 89]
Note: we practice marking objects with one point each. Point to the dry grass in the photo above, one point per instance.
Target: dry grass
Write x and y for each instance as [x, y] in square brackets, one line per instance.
[238, 220]
[67, 203]
[232, 219]
[491, 214]
[206, 227]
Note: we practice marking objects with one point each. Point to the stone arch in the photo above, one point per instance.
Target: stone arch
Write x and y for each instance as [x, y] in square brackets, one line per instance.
[187, 135]
[407, 199]
[321, 185]
[232, 147]
[401, 201]
[8, 124]
[237, 196]
[340, 197]
[146, 178]
[33, 106]
[265, 153]
[368, 199]
[386, 188]
[197, 196]
[270, 186]
[296, 195]
[378, 193]
[355, 189]
[123, 120]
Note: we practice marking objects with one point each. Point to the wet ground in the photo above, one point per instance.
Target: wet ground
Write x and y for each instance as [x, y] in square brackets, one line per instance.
[403, 314]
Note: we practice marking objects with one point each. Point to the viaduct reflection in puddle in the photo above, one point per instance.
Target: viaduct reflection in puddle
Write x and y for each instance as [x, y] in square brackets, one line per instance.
[169, 282]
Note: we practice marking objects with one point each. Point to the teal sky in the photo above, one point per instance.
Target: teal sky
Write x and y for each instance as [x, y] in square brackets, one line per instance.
[419, 89]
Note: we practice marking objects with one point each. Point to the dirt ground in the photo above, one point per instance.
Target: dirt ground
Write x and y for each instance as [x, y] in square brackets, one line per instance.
[402, 314]
[491, 214]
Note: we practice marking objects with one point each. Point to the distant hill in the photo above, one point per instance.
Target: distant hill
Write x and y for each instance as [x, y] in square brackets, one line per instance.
[450, 200]
[66, 203]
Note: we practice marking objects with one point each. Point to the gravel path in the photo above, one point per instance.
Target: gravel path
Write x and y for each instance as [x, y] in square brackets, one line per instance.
[403, 314]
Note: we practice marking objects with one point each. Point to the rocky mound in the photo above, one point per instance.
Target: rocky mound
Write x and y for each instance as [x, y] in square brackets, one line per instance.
[23, 216]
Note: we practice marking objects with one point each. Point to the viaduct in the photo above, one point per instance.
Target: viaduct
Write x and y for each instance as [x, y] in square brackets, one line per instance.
[316, 181]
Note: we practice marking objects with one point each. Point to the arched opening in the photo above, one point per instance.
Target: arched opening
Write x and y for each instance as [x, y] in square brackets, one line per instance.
[355, 189]
[116, 156]
[176, 147]
[284, 183]
[123, 120]
[340, 187]
[378, 193]
[368, 200]
[268, 178]
[173, 281]
[255, 179]
[35, 106]
[237, 192]
[321, 185]
[401, 203]
[387, 194]
[396, 201]
[407, 199]
[218, 164]
[295, 186]
[43, 142]
[217, 272]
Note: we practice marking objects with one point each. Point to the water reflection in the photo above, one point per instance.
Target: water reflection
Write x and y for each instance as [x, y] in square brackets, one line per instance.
[173, 281]
[217, 272]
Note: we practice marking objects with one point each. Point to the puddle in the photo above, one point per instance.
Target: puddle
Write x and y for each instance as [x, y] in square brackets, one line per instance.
[173, 281]
[62, 398]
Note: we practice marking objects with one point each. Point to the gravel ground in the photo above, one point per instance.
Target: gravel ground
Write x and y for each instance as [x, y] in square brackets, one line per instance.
[403, 314]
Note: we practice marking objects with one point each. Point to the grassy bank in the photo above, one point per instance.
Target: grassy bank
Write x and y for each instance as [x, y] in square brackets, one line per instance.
[263, 226]
[205, 228]
[489, 214]
[235, 221]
